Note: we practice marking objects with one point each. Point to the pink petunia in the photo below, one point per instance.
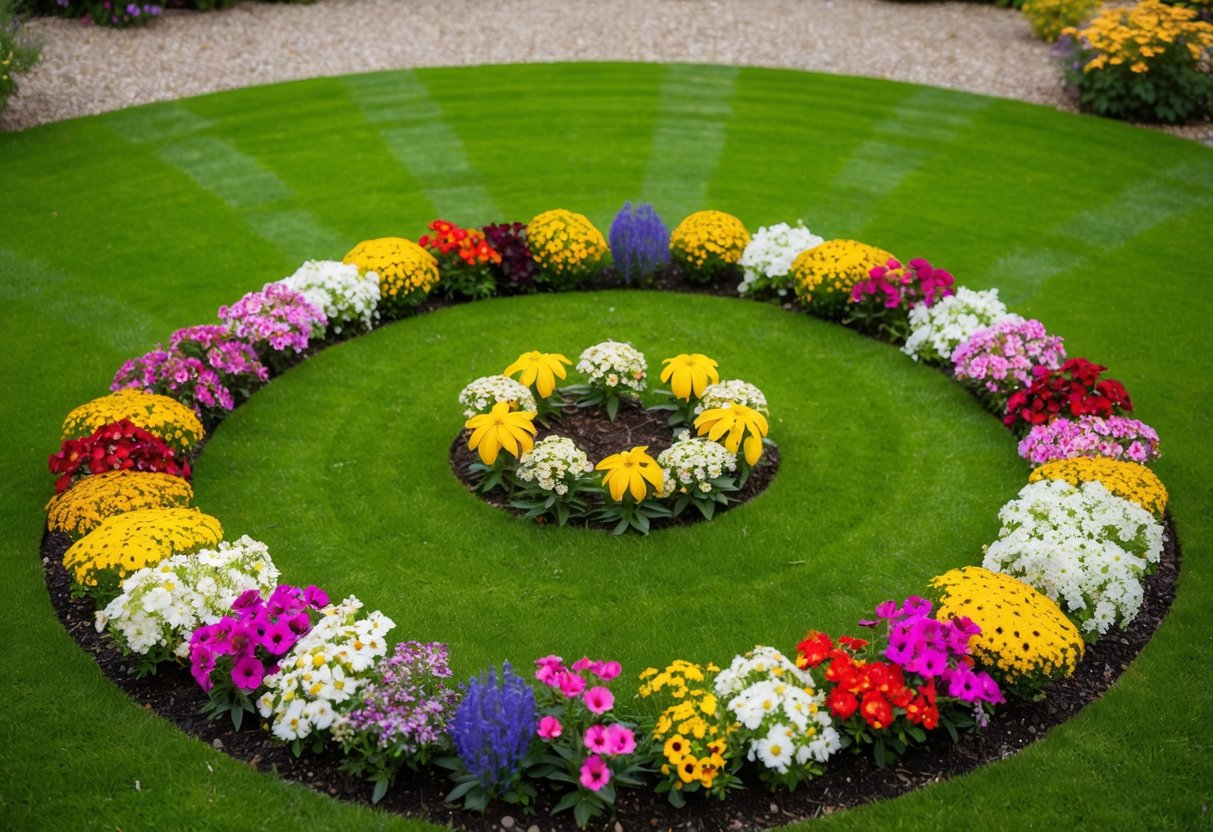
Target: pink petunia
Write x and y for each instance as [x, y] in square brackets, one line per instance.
[596, 739]
[620, 740]
[599, 700]
[595, 773]
[606, 671]
[550, 728]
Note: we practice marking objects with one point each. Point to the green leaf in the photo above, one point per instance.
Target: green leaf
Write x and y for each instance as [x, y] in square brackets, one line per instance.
[381, 785]
[566, 802]
[612, 407]
[462, 789]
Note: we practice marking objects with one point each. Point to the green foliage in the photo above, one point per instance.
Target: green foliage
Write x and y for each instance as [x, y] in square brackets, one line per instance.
[1049, 17]
[17, 52]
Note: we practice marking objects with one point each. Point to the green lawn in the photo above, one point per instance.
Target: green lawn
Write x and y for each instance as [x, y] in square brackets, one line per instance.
[123, 227]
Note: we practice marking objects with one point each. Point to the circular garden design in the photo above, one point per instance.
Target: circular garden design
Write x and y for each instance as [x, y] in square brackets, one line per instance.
[879, 456]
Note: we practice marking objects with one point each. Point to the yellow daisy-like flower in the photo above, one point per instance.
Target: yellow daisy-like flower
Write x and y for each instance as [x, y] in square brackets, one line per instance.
[632, 471]
[734, 423]
[540, 369]
[501, 429]
[160, 416]
[689, 374]
[824, 276]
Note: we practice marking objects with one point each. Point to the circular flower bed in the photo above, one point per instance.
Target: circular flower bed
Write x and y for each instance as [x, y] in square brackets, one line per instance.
[1070, 562]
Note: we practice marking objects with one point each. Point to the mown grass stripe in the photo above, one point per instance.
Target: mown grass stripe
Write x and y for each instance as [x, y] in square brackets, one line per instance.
[413, 127]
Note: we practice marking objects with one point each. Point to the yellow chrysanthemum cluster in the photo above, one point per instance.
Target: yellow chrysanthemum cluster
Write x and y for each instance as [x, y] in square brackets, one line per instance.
[1125, 479]
[1049, 18]
[160, 416]
[1025, 640]
[709, 240]
[1134, 36]
[694, 729]
[125, 543]
[407, 272]
[824, 275]
[565, 243]
[94, 499]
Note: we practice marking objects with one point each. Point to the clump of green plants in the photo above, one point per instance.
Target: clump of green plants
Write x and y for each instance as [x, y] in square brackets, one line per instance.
[1049, 18]
[18, 52]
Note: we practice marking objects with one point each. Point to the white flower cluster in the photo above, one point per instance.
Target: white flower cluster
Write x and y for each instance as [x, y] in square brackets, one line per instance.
[732, 391]
[612, 365]
[937, 330]
[339, 291]
[768, 256]
[486, 391]
[324, 669]
[690, 464]
[1083, 547]
[162, 605]
[783, 718]
[554, 463]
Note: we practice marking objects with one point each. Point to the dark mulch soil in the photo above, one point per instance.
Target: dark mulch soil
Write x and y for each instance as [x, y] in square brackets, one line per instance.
[600, 437]
[850, 780]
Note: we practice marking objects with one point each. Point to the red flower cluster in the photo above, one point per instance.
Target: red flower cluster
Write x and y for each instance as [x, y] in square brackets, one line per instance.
[1074, 390]
[118, 446]
[876, 689]
[468, 243]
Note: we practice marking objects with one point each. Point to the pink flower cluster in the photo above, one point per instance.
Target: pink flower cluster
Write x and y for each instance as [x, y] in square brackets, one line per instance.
[580, 701]
[1001, 358]
[897, 285]
[935, 649]
[223, 352]
[188, 380]
[253, 637]
[1115, 437]
[277, 317]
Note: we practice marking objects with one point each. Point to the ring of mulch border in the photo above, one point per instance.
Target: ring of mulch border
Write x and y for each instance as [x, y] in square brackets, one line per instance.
[849, 780]
[600, 437]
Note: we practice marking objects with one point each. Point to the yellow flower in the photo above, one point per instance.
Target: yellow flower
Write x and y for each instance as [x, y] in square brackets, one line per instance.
[1125, 479]
[632, 471]
[689, 374]
[92, 500]
[709, 238]
[737, 421]
[501, 429]
[824, 276]
[161, 416]
[406, 271]
[540, 369]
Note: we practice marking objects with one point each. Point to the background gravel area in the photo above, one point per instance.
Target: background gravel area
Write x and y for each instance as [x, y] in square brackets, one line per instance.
[965, 46]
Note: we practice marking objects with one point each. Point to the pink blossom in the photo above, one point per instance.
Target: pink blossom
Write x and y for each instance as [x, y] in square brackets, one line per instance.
[599, 700]
[606, 671]
[620, 740]
[584, 663]
[548, 666]
[596, 739]
[550, 727]
[571, 685]
[595, 773]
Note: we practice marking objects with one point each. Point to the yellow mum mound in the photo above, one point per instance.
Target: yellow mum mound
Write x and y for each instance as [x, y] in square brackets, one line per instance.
[824, 276]
[565, 244]
[708, 241]
[407, 272]
[1025, 640]
[1127, 480]
[125, 543]
[94, 499]
[160, 416]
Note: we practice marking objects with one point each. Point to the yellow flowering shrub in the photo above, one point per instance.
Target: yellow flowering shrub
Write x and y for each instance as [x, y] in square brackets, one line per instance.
[92, 500]
[693, 731]
[407, 272]
[125, 543]
[1049, 18]
[564, 245]
[161, 416]
[708, 242]
[824, 276]
[1147, 62]
[1025, 640]
[1128, 480]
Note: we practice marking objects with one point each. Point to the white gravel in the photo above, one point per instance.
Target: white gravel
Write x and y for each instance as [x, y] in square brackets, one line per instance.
[965, 46]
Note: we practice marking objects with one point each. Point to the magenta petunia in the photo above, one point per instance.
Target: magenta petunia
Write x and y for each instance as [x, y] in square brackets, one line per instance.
[595, 773]
[247, 673]
[278, 638]
[550, 728]
[599, 700]
[620, 739]
[606, 671]
[596, 739]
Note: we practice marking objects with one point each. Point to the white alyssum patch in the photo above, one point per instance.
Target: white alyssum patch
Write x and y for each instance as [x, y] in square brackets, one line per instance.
[613, 366]
[486, 391]
[768, 256]
[555, 463]
[692, 463]
[730, 392]
[936, 330]
[339, 290]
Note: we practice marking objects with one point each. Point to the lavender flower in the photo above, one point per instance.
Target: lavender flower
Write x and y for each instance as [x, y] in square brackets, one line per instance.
[407, 707]
[494, 726]
[640, 241]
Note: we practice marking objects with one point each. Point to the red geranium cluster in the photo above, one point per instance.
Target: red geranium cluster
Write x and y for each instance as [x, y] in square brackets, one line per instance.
[468, 243]
[119, 446]
[876, 689]
[1074, 390]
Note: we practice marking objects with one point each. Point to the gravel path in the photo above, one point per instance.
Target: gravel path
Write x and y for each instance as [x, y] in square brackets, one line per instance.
[965, 46]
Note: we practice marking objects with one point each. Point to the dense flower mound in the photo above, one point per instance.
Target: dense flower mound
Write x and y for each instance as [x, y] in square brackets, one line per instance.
[936, 331]
[731, 392]
[480, 395]
[565, 245]
[1129, 480]
[640, 242]
[767, 260]
[554, 464]
[708, 242]
[407, 272]
[1115, 437]
[161, 416]
[344, 293]
[274, 320]
[1082, 546]
[92, 500]
[1025, 640]
[128, 542]
[1002, 359]
[824, 276]
[121, 446]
